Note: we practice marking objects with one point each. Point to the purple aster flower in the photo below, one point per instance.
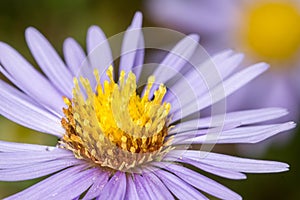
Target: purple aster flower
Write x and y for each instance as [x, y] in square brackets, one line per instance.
[264, 29]
[115, 143]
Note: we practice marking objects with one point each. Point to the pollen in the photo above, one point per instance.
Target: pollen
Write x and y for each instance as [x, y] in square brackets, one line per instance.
[112, 126]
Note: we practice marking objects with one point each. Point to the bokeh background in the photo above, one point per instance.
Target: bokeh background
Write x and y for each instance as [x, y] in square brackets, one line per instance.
[58, 19]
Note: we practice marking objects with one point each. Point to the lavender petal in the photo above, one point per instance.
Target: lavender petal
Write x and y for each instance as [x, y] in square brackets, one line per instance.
[230, 162]
[242, 117]
[156, 187]
[49, 61]
[252, 134]
[175, 60]
[74, 55]
[35, 170]
[27, 113]
[99, 52]
[115, 188]
[131, 191]
[130, 45]
[97, 187]
[222, 90]
[203, 183]
[19, 71]
[48, 188]
[178, 187]
[29, 157]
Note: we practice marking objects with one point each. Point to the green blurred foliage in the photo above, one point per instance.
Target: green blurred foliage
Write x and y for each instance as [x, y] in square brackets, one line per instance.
[58, 19]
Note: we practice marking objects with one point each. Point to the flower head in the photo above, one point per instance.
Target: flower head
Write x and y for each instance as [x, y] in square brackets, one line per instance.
[268, 23]
[265, 29]
[114, 122]
[116, 142]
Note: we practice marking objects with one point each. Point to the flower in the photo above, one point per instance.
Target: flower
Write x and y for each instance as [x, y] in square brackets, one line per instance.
[265, 30]
[113, 142]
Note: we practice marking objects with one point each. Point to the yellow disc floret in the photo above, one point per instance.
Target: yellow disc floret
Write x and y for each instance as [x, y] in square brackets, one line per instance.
[113, 126]
[273, 30]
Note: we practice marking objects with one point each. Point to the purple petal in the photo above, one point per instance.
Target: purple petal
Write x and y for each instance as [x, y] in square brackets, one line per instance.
[131, 192]
[175, 60]
[49, 61]
[115, 188]
[47, 189]
[99, 52]
[202, 183]
[209, 132]
[29, 157]
[97, 187]
[226, 63]
[222, 90]
[142, 186]
[178, 187]
[243, 117]
[12, 147]
[200, 80]
[35, 170]
[74, 55]
[221, 65]
[19, 71]
[156, 187]
[230, 162]
[222, 55]
[252, 134]
[15, 106]
[139, 58]
[133, 38]
[238, 80]
[77, 184]
[226, 173]
[228, 66]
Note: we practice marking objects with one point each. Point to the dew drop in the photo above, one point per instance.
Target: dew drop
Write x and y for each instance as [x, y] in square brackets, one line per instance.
[50, 148]
[54, 194]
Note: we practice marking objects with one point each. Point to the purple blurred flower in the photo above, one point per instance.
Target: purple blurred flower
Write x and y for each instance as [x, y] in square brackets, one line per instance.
[77, 167]
[265, 30]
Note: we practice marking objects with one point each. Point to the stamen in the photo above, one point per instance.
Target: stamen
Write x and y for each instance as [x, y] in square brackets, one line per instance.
[113, 126]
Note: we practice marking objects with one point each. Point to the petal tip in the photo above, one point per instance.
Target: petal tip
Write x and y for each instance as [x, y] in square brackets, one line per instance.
[94, 29]
[138, 16]
[195, 37]
[264, 65]
[31, 30]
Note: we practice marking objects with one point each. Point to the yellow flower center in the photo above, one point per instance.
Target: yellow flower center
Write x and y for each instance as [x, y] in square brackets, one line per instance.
[273, 30]
[114, 127]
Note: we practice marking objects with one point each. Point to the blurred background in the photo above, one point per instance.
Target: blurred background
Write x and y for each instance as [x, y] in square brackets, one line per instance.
[58, 19]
